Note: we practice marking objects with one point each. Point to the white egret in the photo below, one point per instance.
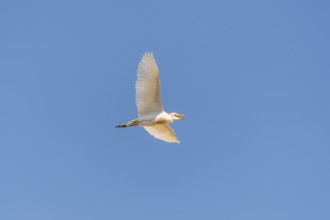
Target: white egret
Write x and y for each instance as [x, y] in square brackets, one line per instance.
[149, 103]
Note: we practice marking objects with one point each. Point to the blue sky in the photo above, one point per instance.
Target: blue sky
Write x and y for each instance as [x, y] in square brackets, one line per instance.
[251, 76]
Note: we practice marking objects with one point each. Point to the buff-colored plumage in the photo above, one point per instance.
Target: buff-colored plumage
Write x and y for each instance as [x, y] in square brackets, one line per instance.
[149, 103]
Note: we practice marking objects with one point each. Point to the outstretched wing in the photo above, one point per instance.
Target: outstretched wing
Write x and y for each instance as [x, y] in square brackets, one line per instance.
[147, 86]
[163, 132]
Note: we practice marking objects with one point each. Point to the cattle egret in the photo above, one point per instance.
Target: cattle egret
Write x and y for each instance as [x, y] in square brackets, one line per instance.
[152, 117]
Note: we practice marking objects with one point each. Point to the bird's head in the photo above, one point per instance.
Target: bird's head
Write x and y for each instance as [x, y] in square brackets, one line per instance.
[176, 116]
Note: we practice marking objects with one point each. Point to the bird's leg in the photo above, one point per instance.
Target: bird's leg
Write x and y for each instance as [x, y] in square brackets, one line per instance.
[122, 126]
[129, 124]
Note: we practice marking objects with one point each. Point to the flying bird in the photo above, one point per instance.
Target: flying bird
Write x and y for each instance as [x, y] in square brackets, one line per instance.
[152, 117]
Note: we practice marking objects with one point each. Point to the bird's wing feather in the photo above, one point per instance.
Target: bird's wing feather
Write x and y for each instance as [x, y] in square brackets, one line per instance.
[147, 86]
[163, 132]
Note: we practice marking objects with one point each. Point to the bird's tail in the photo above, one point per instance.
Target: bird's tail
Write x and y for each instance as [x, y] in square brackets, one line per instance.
[129, 124]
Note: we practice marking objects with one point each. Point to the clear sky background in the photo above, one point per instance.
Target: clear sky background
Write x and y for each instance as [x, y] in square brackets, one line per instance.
[253, 78]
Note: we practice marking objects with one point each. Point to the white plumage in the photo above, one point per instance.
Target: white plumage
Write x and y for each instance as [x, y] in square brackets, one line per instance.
[147, 86]
[149, 103]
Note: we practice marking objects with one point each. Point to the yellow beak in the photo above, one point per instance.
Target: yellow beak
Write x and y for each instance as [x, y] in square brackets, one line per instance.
[182, 116]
